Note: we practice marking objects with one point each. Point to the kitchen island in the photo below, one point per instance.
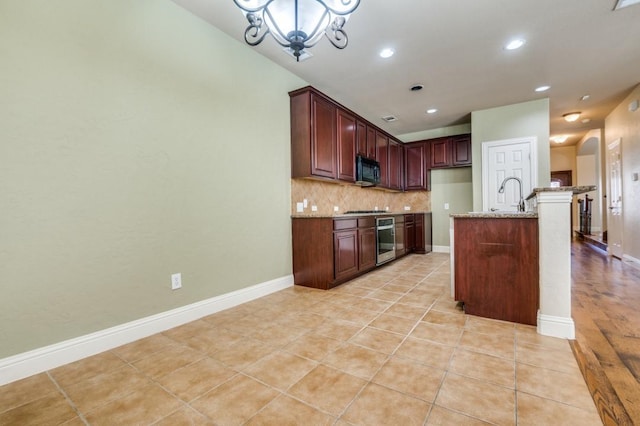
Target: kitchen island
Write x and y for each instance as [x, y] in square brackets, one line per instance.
[549, 258]
[495, 265]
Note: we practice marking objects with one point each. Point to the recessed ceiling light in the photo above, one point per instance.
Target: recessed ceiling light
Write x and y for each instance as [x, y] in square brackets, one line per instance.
[515, 44]
[559, 138]
[432, 111]
[586, 120]
[585, 97]
[387, 53]
[542, 88]
[416, 87]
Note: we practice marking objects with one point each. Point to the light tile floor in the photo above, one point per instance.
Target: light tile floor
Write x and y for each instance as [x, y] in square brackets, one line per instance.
[387, 348]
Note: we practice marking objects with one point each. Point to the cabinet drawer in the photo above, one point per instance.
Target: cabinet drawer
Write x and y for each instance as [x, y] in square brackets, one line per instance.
[339, 224]
[408, 218]
[366, 222]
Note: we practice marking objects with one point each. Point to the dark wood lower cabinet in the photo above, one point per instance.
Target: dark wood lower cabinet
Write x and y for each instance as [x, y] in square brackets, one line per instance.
[367, 248]
[345, 251]
[401, 248]
[496, 267]
[330, 251]
[312, 247]
[409, 233]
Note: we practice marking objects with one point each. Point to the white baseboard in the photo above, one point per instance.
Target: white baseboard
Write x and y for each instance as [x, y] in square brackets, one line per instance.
[441, 249]
[46, 358]
[630, 260]
[561, 327]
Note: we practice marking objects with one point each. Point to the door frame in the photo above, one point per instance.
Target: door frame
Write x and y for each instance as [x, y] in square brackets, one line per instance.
[533, 163]
[612, 249]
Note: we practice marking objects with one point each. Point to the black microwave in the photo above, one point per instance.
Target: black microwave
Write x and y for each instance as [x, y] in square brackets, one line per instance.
[367, 171]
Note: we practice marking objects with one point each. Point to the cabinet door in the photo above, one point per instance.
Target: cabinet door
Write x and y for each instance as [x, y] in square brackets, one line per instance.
[461, 150]
[361, 138]
[400, 242]
[323, 137]
[345, 252]
[440, 153]
[382, 151]
[410, 236]
[372, 149]
[415, 167]
[346, 146]
[419, 234]
[395, 165]
[367, 248]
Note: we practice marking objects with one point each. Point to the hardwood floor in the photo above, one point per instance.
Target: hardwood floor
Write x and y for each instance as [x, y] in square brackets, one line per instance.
[605, 300]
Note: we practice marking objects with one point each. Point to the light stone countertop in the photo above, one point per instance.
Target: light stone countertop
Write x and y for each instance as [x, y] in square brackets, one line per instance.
[575, 189]
[354, 215]
[495, 215]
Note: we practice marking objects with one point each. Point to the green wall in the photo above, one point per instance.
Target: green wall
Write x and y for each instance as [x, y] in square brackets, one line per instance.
[509, 122]
[452, 186]
[135, 141]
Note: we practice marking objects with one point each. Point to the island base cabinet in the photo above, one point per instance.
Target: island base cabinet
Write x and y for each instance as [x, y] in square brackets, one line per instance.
[496, 268]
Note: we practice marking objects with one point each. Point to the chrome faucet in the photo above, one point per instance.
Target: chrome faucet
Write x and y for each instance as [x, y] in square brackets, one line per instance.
[521, 207]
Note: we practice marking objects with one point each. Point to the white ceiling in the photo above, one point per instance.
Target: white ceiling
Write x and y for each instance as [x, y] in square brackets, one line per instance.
[455, 49]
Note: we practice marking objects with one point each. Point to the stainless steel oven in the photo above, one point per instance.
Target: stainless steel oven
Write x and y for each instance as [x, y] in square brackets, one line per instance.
[385, 239]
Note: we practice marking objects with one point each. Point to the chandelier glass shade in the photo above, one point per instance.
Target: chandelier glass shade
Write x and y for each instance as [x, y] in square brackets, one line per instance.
[297, 24]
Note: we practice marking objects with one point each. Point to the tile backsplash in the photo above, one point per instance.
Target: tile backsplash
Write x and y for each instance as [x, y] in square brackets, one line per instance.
[326, 195]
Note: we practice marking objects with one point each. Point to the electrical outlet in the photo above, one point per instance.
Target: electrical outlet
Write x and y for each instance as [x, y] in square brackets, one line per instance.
[176, 281]
[446, 206]
[336, 208]
[299, 207]
[407, 208]
[314, 208]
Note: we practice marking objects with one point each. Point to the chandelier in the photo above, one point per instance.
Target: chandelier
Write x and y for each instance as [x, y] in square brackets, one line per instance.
[297, 24]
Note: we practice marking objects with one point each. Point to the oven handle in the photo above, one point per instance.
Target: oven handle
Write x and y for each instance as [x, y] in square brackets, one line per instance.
[385, 227]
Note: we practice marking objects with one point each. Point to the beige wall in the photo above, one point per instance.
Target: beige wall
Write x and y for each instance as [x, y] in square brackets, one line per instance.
[509, 122]
[563, 158]
[135, 141]
[624, 124]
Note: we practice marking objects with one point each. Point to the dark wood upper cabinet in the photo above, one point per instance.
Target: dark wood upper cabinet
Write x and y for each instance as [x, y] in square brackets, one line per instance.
[415, 161]
[346, 146]
[361, 138]
[396, 162]
[382, 155]
[313, 135]
[461, 150]
[365, 140]
[372, 150]
[450, 151]
[440, 155]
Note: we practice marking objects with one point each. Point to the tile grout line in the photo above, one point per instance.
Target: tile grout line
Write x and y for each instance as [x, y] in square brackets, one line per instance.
[68, 399]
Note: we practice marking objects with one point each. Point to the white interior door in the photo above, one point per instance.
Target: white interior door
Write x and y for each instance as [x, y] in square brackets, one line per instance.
[503, 159]
[614, 218]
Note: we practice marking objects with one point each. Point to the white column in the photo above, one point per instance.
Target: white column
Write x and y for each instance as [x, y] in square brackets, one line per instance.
[554, 239]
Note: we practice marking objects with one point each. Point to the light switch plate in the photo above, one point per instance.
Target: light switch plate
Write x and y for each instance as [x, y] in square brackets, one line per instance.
[299, 207]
